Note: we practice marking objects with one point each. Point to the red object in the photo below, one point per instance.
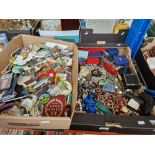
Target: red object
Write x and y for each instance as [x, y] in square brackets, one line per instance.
[93, 61]
[110, 69]
[56, 106]
[50, 74]
[70, 24]
[93, 49]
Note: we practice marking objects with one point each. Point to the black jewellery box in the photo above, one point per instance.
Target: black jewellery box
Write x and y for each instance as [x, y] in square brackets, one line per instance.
[114, 123]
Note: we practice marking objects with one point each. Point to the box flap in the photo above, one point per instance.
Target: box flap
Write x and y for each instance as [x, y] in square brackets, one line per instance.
[87, 36]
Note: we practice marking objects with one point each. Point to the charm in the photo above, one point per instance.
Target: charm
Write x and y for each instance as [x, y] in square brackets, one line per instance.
[84, 72]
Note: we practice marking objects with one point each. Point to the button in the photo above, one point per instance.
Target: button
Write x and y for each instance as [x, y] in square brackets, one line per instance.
[44, 98]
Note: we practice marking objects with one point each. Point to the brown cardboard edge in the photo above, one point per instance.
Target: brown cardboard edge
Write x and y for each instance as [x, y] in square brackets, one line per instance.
[24, 41]
[35, 122]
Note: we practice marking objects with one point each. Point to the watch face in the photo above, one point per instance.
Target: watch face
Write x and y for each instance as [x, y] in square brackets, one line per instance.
[56, 106]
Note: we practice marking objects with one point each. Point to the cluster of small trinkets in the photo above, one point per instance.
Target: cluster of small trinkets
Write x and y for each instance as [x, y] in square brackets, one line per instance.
[17, 24]
[37, 81]
[101, 89]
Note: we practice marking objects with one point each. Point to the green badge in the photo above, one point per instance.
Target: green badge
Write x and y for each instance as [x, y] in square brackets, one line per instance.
[44, 98]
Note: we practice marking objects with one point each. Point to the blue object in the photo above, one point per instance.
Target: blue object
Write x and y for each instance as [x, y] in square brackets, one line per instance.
[89, 98]
[83, 23]
[109, 88]
[91, 108]
[83, 54]
[112, 52]
[150, 92]
[95, 55]
[121, 61]
[82, 61]
[3, 39]
[136, 34]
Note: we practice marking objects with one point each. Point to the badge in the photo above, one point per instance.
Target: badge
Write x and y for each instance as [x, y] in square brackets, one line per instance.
[17, 69]
[11, 92]
[29, 83]
[49, 74]
[59, 77]
[57, 68]
[23, 79]
[65, 87]
[56, 106]
[66, 53]
[5, 81]
[44, 98]
[67, 61]
[54, 90]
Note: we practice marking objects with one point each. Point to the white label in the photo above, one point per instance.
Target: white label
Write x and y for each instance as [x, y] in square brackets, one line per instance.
[132, 103]
[141, 122]
[152, 122]
[45, 122]
[103, 128]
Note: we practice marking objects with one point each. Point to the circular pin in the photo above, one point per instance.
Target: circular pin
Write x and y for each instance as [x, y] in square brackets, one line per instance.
[44, 98]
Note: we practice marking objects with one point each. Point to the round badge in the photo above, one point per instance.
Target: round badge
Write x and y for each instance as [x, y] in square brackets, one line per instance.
[44, 98]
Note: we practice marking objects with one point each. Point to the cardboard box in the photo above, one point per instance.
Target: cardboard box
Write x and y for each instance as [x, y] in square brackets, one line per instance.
[102, 123]
[38, 122]
[1, 47]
